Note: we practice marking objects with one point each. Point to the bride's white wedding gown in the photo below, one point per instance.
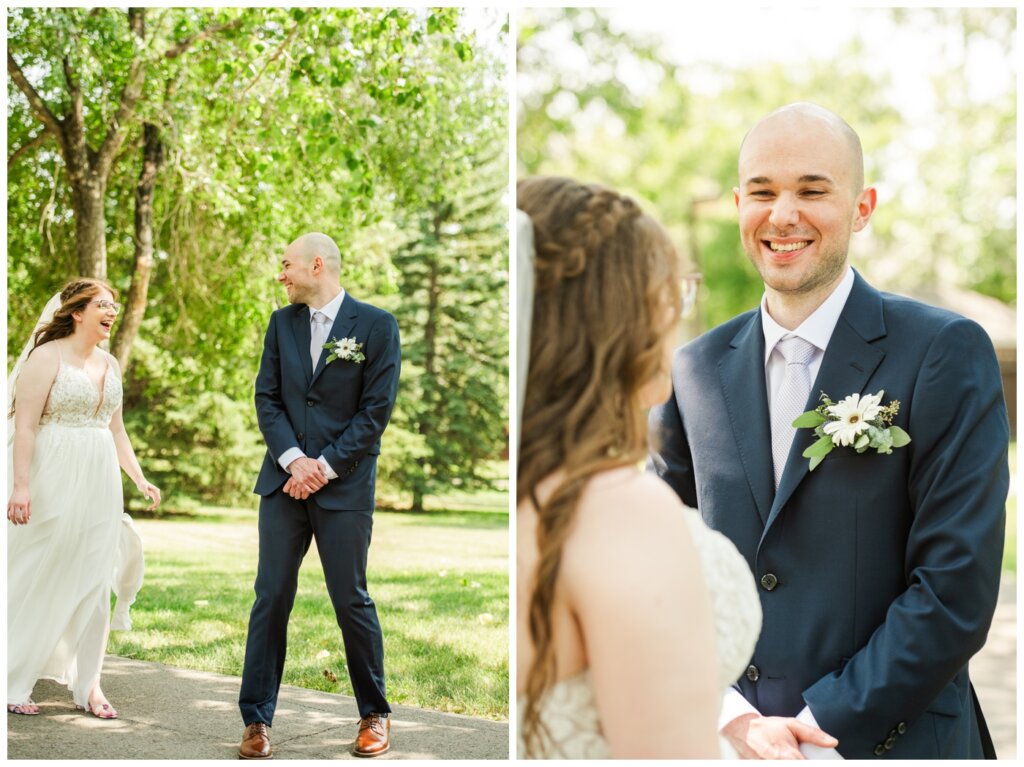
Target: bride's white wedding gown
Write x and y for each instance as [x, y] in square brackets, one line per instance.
[60, 565]
[569, 710]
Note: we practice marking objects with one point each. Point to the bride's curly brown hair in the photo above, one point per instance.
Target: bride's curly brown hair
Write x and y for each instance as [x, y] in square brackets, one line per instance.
[74, 297]
[604, 273]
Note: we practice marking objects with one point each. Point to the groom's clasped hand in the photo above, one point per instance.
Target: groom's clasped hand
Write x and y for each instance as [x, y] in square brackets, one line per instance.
[308, 476]
[773, 737]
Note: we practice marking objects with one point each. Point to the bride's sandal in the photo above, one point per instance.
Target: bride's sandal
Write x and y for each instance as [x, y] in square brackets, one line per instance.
[28, 708]
[102, 711]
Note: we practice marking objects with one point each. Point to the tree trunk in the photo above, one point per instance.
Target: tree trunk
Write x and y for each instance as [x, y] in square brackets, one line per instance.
[429, 358]
[135, 303]
[90, 226]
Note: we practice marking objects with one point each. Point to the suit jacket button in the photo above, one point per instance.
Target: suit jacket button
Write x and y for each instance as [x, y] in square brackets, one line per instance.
[893, 734]
[901, 728]
[879, 749]
[769, 581]
[300, 435]
[889, 743]
[310, 403]
[753, 673]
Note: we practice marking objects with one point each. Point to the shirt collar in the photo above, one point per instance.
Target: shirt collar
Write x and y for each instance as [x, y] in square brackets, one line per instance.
[816, 329]
[331, 308]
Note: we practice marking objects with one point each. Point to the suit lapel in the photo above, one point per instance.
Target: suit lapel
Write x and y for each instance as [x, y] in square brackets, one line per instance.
[847, 366]
[742, 375]
[344, 322]
[300, 329]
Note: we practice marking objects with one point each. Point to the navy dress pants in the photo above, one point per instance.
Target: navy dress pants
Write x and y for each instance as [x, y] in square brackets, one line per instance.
[286, 527]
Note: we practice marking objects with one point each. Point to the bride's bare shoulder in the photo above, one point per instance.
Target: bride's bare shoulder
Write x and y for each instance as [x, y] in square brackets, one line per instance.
[622, 509]
[44, 355]
[629, 490]
[630, 527]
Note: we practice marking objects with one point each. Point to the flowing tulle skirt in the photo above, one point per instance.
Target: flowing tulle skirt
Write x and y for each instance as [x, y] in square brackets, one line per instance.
[60, 565]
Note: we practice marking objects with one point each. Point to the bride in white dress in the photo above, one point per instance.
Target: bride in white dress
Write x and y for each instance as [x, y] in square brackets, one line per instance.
[66, 500]
[622, 649]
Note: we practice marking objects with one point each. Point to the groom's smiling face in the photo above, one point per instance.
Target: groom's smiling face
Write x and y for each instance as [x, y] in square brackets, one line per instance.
[799, 201]
[297, 276]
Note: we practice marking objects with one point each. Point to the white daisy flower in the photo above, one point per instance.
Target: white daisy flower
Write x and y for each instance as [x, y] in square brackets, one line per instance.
[345, 348]
[854, 414]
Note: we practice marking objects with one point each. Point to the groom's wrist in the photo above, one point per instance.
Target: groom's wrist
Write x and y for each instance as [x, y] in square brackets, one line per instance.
[289, 456]
[328, 471]
[734, 705]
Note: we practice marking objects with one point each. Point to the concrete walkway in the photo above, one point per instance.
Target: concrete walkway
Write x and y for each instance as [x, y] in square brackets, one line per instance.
[994, 672]
[172, 713]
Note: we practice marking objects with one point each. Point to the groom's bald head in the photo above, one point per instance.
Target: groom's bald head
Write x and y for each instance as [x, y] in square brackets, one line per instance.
[314, 244]
[802, 115]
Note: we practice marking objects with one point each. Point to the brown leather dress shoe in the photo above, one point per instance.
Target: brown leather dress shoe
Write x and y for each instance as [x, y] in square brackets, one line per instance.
[256, 742]
[374, 736]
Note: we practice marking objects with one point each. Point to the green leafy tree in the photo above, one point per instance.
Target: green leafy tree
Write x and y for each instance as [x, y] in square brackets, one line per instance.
[598, 104]
[454, 303]
[251, 126]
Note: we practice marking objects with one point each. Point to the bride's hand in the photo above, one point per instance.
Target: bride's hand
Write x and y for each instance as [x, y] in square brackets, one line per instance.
[151, 491]
[19, 507]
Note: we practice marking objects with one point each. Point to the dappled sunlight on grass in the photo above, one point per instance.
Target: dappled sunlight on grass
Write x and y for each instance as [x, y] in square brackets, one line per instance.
[440, 582]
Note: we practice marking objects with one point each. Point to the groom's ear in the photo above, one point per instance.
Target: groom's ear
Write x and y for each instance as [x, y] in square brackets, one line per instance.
[865, 206]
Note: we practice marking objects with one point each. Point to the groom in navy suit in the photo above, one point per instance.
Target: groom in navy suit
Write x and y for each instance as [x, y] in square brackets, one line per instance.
[878, 573]
[322, 413]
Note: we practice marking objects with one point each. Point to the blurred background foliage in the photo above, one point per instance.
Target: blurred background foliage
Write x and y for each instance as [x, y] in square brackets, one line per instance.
[657, 106]
[213, 137]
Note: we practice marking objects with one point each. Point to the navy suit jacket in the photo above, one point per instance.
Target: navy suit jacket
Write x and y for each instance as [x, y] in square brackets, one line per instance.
[338, 410]
[886, 567]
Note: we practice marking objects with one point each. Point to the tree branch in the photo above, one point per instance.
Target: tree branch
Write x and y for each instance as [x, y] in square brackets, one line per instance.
[128, 149]
[179, 48]
[137, 22]
[118, 126]
[77, 111]
[39, 107]
[37, 140]
[277, 54]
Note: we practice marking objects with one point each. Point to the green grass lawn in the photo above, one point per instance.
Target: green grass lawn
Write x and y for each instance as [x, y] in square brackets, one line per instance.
[439, 579]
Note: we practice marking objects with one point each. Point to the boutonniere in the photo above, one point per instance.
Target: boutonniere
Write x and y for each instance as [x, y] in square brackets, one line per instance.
[347, 349]
[855, 421]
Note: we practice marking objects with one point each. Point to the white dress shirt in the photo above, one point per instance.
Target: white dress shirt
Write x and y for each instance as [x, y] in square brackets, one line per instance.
[817, 330]
[329, 310]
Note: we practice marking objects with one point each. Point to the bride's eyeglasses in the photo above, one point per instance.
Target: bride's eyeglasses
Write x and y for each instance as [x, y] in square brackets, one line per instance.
[108, 305]
[690, 286]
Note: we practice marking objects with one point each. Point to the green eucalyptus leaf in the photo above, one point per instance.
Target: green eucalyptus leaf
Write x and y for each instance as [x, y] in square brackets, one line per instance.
[899, 437]
[820, 448]
[809, 420]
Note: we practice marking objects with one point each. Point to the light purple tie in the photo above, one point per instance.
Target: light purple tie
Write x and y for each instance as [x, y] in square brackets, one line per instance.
[790, 398]
[317, 336]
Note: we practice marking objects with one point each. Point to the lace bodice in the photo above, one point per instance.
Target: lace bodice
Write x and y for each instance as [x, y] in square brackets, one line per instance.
[569, 710]
[570, 716]
[734, 598]
[76, 401]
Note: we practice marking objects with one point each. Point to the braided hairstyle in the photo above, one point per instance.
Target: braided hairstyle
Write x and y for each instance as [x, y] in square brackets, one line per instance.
[604, 274]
